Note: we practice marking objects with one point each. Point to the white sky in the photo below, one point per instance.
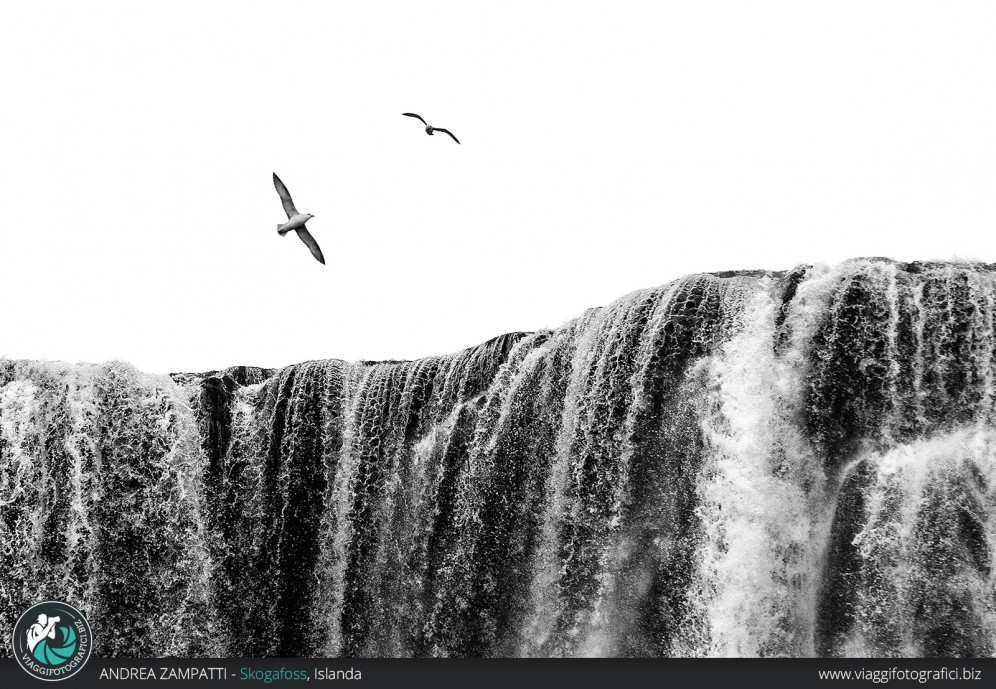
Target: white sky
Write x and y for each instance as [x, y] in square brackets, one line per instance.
[606, 147]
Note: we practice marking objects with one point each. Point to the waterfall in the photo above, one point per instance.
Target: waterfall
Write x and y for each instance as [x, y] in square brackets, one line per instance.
[752, 463]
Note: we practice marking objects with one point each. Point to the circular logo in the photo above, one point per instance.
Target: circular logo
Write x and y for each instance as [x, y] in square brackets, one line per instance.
[52, 640]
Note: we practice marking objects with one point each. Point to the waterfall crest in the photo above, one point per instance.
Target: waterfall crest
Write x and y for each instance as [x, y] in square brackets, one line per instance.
[733, 464]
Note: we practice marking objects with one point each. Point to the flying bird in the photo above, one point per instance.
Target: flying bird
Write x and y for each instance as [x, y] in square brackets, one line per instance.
[295, 221]
[429, 129]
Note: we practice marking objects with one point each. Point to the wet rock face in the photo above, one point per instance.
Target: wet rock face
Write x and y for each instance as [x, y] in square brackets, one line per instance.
[746, 463]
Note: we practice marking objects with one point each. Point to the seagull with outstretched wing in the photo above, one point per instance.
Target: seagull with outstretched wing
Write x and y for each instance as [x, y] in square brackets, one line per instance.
[295, 221]
[429, 129]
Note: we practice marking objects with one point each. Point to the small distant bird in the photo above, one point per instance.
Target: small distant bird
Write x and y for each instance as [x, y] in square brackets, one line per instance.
[429, 129]
[295, 221]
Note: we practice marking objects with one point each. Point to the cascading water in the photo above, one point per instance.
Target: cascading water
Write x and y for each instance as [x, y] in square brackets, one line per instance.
[736, 464]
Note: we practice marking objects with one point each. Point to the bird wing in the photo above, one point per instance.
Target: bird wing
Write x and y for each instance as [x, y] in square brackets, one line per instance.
[284, 197]
[440, 129]
[411, 114]
[311, 244]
